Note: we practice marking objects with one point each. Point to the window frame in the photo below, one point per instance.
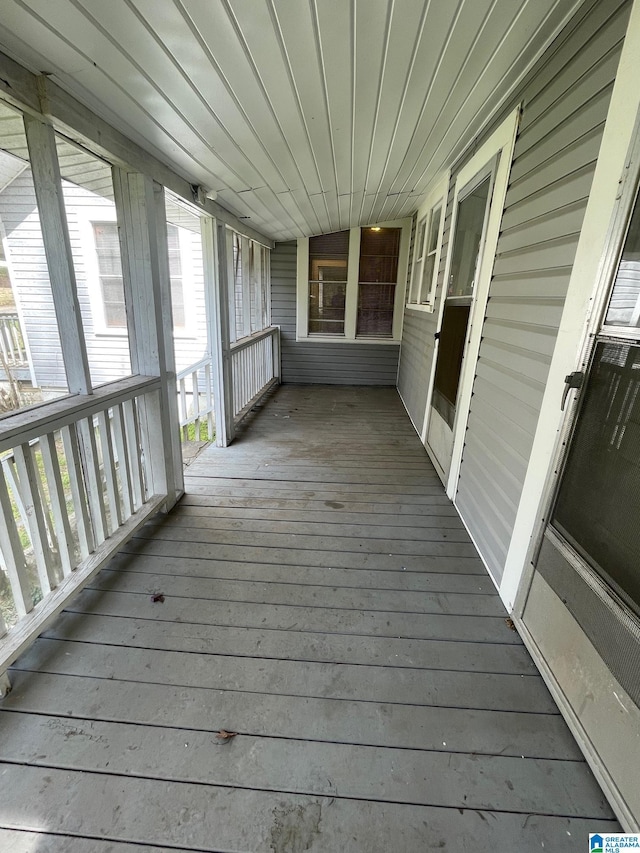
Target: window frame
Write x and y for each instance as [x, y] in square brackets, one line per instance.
[435, 200]
[255, 276]
[351, 300]
[88, 216]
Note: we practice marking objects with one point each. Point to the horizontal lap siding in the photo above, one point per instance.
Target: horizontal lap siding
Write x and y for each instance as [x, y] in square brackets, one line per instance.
[324, 363]
[108, 353]
[416, 355]
[565, 107]
[21, 223]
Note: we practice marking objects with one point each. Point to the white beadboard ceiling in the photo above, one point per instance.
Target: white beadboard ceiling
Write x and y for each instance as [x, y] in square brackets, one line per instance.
[305, 116]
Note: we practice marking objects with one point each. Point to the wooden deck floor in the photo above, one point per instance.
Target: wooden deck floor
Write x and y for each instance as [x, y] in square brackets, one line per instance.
[323, 600]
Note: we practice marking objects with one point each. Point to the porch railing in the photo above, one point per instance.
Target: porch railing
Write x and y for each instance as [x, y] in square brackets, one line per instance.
[255, 368]
[195, 400]
[12, 347]
[76, 481]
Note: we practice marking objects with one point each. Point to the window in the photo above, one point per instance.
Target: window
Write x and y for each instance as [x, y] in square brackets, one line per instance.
[426, 250]
[249, 286]
[351, 284]
[328, 261]
[378, 274]
[175, 276]
[110, 274]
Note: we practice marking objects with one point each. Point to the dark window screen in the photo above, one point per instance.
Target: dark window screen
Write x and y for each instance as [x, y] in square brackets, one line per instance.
[377, 277]
[598, 505]
[328, 260]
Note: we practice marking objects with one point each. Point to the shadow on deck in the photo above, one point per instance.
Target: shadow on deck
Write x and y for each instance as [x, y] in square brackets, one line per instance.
[323, 600]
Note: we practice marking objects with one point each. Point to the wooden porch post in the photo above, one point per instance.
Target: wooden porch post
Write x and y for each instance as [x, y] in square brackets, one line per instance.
[216, 285]
[41, 142]
[142, 220]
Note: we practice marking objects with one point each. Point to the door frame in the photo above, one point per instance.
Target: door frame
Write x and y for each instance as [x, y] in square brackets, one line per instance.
[596, 255]
[499, 145]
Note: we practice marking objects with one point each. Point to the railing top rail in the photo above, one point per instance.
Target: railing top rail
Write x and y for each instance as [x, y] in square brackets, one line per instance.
[22, 426]
[243, 343]
[8, 315]
[198, 365]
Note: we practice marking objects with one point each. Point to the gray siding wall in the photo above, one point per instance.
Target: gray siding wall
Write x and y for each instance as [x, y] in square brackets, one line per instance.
[324, 363]
[565, 103]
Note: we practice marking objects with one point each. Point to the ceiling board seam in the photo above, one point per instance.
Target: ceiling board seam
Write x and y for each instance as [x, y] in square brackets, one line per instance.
[510, 89]
[285, 56]
[247, 52]
[325, 94]
[197, 94]
[205, 49]
[353, 105]
[177, 111]
[454, 84]
[414, 55]
[434, 75]
[121, 89]
[383, 66]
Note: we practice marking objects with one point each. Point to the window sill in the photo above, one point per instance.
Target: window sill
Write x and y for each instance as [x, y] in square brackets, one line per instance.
[421, 309]
[337, 339]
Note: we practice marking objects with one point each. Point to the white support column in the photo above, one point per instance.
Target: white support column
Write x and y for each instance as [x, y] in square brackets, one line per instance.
[57, 246]
[142, 220]
[216, 270]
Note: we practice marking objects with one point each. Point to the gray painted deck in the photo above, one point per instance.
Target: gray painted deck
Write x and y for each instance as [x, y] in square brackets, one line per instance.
[323, 600]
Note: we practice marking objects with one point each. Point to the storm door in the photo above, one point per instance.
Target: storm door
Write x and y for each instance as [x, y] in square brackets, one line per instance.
[590, 552]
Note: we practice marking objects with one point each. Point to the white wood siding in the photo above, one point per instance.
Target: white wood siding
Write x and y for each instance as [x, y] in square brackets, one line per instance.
[19, 216]
[108, 352]
[331, 364]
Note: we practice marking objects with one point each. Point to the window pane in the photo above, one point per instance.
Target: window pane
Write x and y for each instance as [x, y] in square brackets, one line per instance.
[375, 309]
[184, 242]
[379, 251]
[87, 189]
[328, 259]
[418, 254]
[468, 234]
[624, 307]
[434, 229]
[31, 365]
[599, 500]
[427, 276]
[238, 290]
[326, 308]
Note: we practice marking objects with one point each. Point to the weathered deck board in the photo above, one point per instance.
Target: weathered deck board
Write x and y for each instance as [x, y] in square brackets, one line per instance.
[323, 600]
[204, 817]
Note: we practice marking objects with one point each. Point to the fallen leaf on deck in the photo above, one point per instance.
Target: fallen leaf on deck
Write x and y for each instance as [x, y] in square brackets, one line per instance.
[157, 597]
[225, 736]
[510, 624]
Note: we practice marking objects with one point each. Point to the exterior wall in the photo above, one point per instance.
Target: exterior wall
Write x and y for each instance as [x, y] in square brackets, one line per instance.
[19, 216]
[327, 364]
[108, 351]
[565, 102]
